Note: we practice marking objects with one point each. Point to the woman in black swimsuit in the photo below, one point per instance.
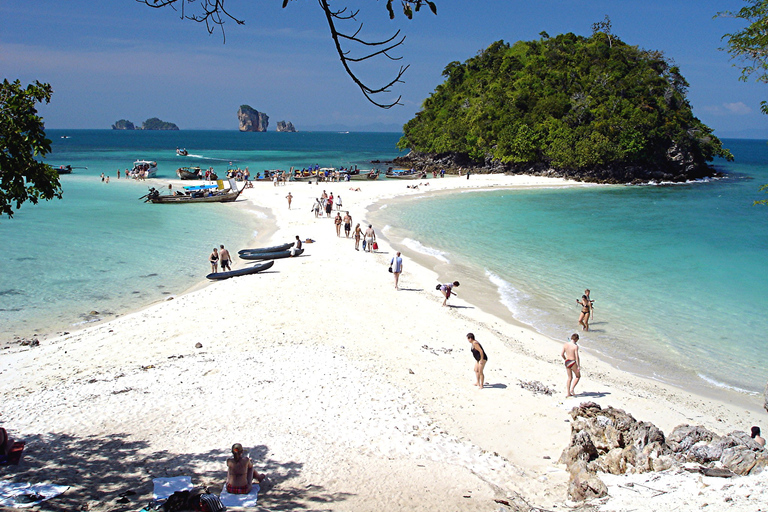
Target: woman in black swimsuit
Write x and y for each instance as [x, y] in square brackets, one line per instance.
[480, 359]
[214, 259]
[586, 310]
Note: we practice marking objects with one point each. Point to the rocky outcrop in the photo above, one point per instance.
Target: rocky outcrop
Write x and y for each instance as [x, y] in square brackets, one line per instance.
[123, 124]
[611, 441]
[282, 126]
[679, 166]
[154, 123]
[251, 120]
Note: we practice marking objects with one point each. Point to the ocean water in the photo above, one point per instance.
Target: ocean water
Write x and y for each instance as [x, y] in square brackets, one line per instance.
[678, 272]
[100, 249]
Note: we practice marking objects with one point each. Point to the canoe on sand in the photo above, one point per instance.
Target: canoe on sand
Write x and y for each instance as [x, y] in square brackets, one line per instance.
[241, 271]
[276, 248]
[269, 255]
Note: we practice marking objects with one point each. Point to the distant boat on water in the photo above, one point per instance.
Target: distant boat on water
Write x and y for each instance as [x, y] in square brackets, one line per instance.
[182, 152]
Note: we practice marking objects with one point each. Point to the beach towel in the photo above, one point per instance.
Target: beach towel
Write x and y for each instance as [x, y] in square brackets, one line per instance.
[24, 495]
[164, 487]
[240, 500]
[14, 456]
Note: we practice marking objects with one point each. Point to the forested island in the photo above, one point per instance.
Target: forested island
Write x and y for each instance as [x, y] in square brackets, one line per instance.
[587, 108]
[152, 123]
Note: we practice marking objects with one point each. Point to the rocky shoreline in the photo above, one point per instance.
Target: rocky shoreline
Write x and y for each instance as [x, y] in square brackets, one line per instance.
[679, 168]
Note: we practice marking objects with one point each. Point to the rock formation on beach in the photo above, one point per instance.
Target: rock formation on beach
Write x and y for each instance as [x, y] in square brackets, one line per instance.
[251, 120]
[611, 441]
[282, 126]
[123, 124]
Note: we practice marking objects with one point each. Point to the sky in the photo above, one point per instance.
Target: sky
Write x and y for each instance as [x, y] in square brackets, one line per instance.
[120, 59]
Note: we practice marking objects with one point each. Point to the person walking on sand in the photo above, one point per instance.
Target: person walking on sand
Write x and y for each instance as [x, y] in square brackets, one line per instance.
[347, 224]
[591, 304]
[214, 260]
[358, 234]
[447, 290]
[396, 267]
[337, 223]
[480, 359]
[370, 238]
[225, 258]
[338, 203]
[586, 309]
[289, 197]
[570, 355]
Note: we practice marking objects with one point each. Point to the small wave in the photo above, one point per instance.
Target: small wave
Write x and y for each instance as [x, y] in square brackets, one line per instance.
[382, 207]
[510, 296]
[11, 291]
[417, 246]
[723, 385]
[258, 214]
[89, 321]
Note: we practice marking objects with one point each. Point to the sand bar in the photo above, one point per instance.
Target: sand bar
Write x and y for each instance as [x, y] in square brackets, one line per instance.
[349, 394]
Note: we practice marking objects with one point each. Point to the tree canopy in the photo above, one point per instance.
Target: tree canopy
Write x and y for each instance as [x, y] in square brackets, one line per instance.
[570, 102]
[22, 140]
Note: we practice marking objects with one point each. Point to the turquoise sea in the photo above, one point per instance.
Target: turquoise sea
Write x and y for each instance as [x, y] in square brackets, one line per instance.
[100, 249]
[677, 272]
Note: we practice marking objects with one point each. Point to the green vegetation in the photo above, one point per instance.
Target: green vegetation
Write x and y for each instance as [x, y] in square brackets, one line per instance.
[154, 123]
[571, 103]
[22, 139]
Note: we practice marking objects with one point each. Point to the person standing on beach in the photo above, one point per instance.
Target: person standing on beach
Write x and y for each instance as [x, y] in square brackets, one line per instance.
[329, 205]
[480, 359]
[338, 203]
[225, 258]
[347, 224]
[586, 309]
[447, 290]
[358, 234]
[570, 355]
[337, 223]
[289, 197]
[396, 267]
[214, 260]
[370, 237]
[591, 304]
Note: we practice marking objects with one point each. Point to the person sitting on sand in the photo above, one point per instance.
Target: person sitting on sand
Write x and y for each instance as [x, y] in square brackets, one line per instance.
[240, 472]
[296, 246]
[570, 354]
[6, 442]
[447, 290]
[756, 436]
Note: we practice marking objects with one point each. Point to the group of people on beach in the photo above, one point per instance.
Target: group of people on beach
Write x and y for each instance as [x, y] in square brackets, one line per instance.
[221, 257]
[324, 203]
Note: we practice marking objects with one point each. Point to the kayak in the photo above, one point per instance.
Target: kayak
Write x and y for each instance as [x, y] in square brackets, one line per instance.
[241, 271]
[269, 255]
[276, 248]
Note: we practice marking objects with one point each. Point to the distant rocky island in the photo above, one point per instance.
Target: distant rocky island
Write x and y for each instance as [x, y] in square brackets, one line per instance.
[283, 126]
[150, 124]
[251, 120]
[585, 108]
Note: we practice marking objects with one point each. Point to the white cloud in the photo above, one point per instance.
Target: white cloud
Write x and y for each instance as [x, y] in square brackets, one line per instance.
[738, 108]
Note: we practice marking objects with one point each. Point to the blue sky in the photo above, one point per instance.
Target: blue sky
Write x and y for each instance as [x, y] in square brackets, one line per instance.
[117, 59]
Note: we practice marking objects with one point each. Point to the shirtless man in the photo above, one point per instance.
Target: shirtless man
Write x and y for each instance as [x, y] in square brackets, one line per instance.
[370, 237]
[570, 355]
[347, 224]
[225, 258]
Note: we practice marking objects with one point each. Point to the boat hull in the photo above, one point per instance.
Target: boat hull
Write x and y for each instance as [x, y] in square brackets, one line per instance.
[227, 197]
[363, 177]
[269, 255]
[276, 248]
[241, 271]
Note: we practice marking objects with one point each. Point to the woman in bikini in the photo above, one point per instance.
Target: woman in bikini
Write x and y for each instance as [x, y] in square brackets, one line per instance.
[337, 222]
[358, 234]
[480, 359]
[586, 310]
[214, 259]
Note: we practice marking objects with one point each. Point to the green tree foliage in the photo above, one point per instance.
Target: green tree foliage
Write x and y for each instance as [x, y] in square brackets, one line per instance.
[570, 102]
[22, 138]
[749, 46]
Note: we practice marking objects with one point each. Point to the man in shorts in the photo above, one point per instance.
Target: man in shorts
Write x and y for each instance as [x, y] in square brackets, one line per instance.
[225, 258]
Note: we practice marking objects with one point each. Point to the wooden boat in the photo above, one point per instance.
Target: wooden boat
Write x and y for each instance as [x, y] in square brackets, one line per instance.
[269, 255]
[365, 175]
[189, 173]
[202, 195]
[241, 271]
[275, 248]
[407, 176]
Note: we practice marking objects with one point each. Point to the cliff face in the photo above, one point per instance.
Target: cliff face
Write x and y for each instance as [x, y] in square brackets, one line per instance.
[282, 126]
[251, 120]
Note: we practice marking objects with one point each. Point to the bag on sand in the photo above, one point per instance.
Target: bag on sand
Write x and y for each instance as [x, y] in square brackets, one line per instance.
[375, 246]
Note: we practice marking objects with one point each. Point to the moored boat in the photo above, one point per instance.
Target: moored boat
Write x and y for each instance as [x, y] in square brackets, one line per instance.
[189, 173]
[199, 194]
[275, 248]
[365, 175]
[143, 169]
[241, 271]
[63, 169]
[269, 255]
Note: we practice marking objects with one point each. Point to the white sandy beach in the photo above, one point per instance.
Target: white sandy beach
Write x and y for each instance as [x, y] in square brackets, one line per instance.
[350, 395]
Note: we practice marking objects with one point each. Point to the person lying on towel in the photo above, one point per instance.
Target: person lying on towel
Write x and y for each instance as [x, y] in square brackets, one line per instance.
[240, 472]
